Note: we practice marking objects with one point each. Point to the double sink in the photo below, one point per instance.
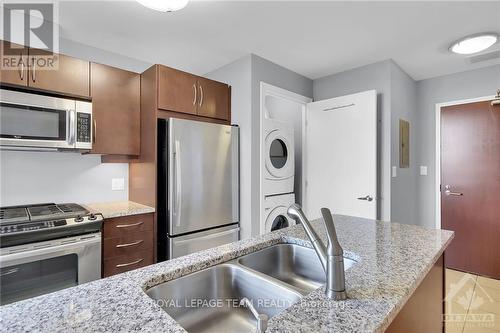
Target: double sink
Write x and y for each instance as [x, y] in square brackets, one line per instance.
[272, 279]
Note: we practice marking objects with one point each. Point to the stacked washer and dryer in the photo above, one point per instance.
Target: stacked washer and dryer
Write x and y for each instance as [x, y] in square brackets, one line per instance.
[279, 174]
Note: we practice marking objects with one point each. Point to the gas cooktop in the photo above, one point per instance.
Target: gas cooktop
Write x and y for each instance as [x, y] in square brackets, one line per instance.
[33, 223]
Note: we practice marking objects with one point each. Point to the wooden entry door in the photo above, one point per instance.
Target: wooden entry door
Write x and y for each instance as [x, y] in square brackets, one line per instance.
[470, 186]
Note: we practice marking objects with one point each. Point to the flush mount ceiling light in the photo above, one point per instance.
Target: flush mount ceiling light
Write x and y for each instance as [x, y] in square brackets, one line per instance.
[164, 5]
[474, 44]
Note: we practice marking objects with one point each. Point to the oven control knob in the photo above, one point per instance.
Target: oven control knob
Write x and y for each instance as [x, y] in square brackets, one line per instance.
[78, 218]
[92, 217]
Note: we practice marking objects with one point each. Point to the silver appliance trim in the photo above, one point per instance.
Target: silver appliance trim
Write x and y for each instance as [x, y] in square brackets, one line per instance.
[235, 172]
[203, 177]
[198, 241]
[71, 106]
[86, 247]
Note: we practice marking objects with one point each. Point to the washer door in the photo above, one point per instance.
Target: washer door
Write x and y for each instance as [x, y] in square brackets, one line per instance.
[278, 219]
[279, 155]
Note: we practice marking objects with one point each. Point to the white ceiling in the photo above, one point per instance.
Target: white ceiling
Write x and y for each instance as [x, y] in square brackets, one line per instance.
[312, 38]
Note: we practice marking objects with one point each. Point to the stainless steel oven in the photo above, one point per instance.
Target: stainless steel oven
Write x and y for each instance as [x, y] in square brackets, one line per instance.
[38, 268]
[36, 121]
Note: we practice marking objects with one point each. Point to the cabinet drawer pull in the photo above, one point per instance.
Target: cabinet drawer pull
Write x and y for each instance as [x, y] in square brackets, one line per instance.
[130, 263]
[129, 225]
[130, 244]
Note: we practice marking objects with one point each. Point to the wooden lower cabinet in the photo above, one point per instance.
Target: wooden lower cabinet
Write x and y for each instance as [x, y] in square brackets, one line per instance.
[128, 243]
[424, 311]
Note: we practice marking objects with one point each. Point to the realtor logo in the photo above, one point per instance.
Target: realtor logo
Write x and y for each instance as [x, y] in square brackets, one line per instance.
[464, 301]
[29, 25]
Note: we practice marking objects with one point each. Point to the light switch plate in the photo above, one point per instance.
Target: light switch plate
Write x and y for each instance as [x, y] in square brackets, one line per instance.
[394, 172]
[423, 170]
[117, 184]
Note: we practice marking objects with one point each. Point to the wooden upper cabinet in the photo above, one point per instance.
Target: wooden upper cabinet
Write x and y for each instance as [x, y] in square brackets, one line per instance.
[177, 90]
[59, 73]
[213, 100]
[116, 110]
[14, 60]
[187, 93]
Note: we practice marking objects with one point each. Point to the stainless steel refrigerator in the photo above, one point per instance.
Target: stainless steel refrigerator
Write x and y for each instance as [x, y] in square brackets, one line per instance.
[198, 186]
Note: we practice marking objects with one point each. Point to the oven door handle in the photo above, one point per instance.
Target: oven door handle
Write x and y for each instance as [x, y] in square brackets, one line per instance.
[63, 247]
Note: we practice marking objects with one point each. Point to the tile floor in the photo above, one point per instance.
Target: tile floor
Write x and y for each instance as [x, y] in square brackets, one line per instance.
[472, 303]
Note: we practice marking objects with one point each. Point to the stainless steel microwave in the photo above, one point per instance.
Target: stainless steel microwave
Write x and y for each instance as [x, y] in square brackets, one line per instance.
[33, 121]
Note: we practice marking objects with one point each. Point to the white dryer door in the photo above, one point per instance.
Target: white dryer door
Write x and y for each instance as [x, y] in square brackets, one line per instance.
[280, 155]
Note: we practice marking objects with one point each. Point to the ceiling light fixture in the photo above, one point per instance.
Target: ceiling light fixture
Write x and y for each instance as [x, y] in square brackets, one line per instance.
[474, 44]
[164, 5]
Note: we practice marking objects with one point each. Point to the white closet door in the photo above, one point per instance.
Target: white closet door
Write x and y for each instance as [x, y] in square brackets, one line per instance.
[341, 155]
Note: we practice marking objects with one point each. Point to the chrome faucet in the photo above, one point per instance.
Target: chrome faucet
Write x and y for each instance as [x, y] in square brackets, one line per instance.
[331, 256]
[262, 318]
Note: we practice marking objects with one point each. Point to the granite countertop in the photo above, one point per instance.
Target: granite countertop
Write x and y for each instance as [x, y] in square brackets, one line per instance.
[119, 208]
[392, 259]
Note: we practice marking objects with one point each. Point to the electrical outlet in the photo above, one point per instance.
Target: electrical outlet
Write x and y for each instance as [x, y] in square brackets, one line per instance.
[423, 170]
[117, 184]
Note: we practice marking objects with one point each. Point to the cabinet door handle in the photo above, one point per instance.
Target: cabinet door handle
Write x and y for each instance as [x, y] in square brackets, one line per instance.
[129, 225]
[195, 94]
[201, 96]
[94, 136]
[130, 263]
[22, 67]
[129, 244]
[33, 71]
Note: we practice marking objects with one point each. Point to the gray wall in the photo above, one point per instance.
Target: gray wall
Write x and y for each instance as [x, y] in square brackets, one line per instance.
[266, 71]
[82, 51]
[36, 177]
[404, 189]
[375, 76]
[470, 84]
[245, 75]
[238, 74]
[33, 177]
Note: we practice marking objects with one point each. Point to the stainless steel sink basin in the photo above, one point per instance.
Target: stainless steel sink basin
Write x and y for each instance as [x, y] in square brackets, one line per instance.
[293, 264]
[208, 300]
[272, 279]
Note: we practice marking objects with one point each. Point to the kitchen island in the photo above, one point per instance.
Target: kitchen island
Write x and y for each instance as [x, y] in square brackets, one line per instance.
[392, 260]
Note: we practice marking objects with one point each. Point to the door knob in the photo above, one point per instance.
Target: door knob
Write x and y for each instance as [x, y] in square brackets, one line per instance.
[366, 198]
[448, 192]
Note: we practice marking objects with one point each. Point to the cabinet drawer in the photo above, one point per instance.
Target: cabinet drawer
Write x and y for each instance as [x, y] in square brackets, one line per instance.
[118, 226]
[128, 262]
[128, 244]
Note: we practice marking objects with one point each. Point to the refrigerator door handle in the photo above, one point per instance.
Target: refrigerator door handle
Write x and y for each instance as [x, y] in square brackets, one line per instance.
[178, 184]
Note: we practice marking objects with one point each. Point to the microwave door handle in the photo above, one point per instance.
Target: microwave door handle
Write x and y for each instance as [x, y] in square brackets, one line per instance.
[72, 126]
[178, 184]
